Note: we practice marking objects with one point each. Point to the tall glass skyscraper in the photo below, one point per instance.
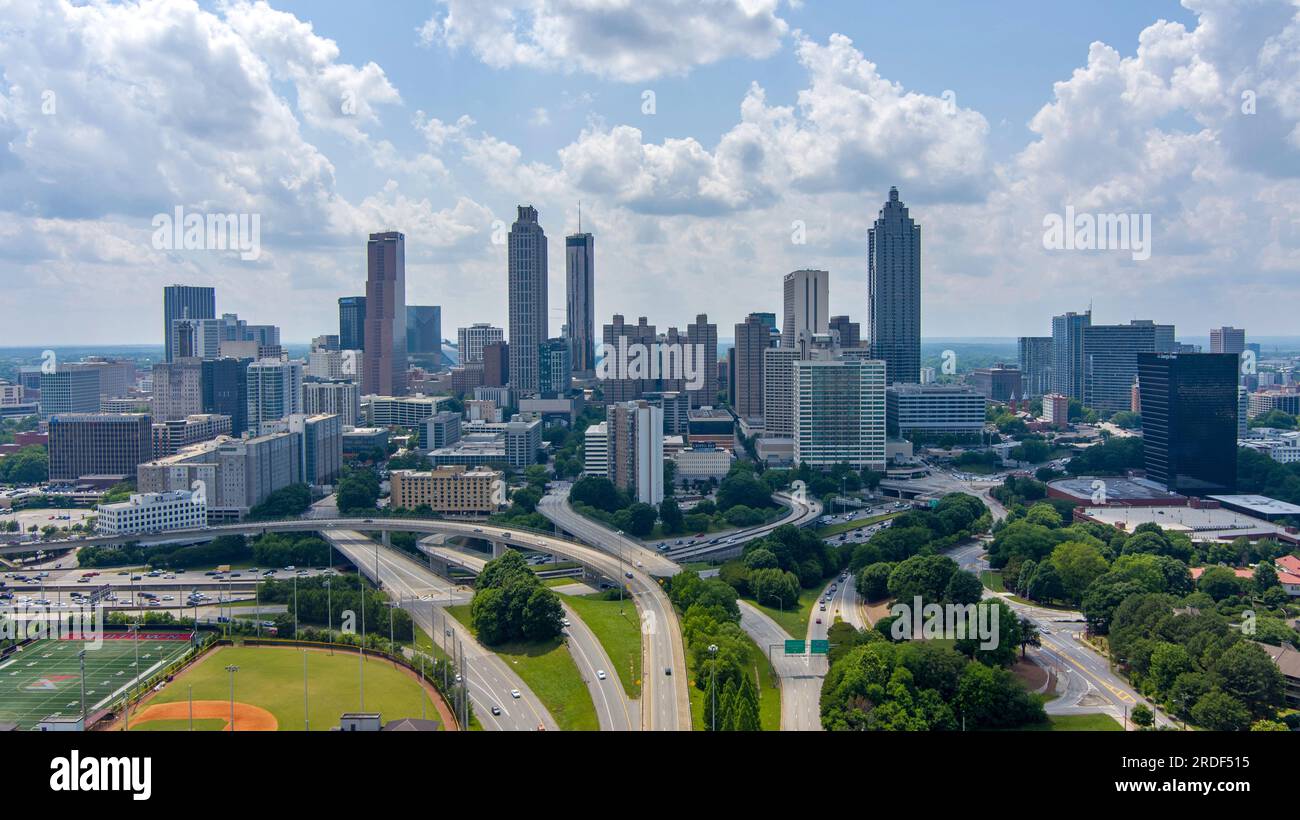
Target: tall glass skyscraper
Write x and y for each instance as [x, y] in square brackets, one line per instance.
[352, 323]
[1068, 366]
[894, 291]
[424, 330]
[580, 300]
[529, 317]
[1189, 420]
[185, 302]
[383, 371]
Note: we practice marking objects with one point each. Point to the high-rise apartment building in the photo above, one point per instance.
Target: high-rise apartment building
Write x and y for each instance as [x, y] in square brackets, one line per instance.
[619, 339]
[580, 300]
[1069, 370]
[352, 323]
[1189, 420]
[703, 336]
[338, 398]
[384, 367]
[635, 433]
[527, 292]
[177, 389]
[1036, 364]
[185, 302]
[753, 336]
[839, 413]
[274, 392]
[894, 291]
[472, 341]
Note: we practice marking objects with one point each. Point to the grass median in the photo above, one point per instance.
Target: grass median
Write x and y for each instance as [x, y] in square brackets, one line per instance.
[618, 628]
[793, 620]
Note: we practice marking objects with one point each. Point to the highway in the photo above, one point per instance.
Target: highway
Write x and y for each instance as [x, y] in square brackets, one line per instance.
[801, 675]
[423, 594]
[665, 703]
[803, 513]
[614, 710]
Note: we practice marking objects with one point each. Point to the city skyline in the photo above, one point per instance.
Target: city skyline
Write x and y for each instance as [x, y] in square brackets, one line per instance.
[680, 192]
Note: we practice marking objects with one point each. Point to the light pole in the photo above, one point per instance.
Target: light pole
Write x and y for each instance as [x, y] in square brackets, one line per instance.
[81, 656]
[329, 616]
[232, 669]
[713, 655]
[295, 605]
[306, 719]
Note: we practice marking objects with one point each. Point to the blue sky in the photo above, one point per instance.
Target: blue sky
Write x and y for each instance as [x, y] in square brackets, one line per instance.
[767, 114]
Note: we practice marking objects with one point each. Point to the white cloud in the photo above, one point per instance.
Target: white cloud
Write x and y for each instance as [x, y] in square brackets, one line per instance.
[616, 39]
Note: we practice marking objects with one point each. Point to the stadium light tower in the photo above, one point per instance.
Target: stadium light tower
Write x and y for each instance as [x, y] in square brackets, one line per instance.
[232, 669]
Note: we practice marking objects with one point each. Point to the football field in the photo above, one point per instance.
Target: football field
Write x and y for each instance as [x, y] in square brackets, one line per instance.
[44, 678]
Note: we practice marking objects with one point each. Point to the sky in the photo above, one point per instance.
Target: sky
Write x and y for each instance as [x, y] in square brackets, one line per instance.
[714, 145]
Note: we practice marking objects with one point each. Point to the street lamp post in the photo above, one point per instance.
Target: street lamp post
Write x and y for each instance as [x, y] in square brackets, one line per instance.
[306, 719]
[81, 656]
[232, 669]
[713, 655]
[329, 615]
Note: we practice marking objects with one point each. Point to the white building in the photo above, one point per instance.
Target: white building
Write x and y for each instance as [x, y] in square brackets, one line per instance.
[473, 339]
[701, 462]
[274, 391]
[1280, 446]
[595, 450]
[839, 413]
[400, 411]
[154, 512]
[338, 398]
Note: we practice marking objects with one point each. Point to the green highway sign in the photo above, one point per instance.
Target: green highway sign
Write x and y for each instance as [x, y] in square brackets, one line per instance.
[794, 647]
[821, 647]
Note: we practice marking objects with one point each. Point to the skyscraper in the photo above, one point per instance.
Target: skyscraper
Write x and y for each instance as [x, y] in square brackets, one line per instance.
[185, 302]
[1189, 420]
[1068, 365]
[555, 371]
[753, 336]
[703, 335]
[850, 332]
[806, 305]
[529, 315]
[383, 369]
[225, 391]
[472, 340]
[618, 337]
[352, 323]
[1110, 360]
[177, 389]
[1036, 364]
[580, 299]
[274, 392]
[70, 390]
[894, 291]
[1227, 340]
[839, 413]
[635, 432]
[424, 331]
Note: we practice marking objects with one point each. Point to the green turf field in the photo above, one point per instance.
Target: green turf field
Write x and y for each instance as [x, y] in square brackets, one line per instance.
[44, 679]
[272, 678]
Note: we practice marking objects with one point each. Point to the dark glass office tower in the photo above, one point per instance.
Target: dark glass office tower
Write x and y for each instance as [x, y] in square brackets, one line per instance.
[225, 390]
[424, 330]
[1189, 420]
[352, 323]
